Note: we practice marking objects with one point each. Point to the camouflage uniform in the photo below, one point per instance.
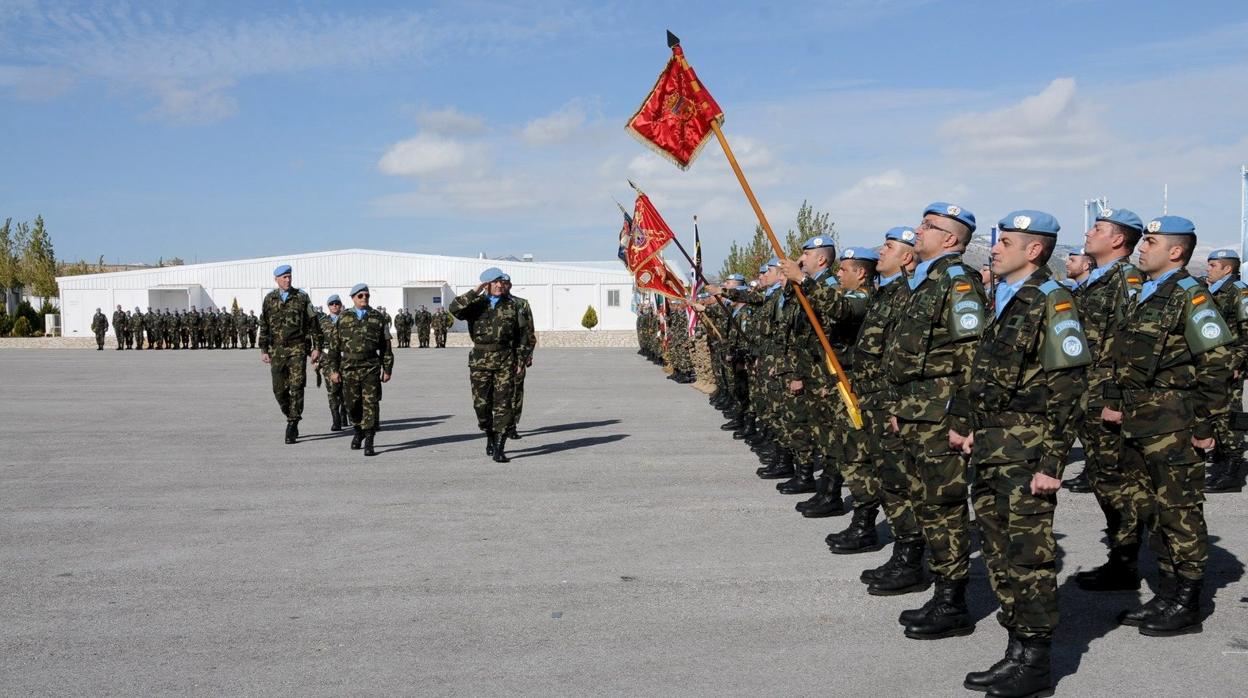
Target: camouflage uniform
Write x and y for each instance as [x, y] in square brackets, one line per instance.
[927, 360]
[500, 343]
[135, 328]
[1026, 379]
[288, 328]
[119, 328]
[441, 323]
[360, 353]
[401, 329]
[253, 323]
[1231, 297]
[99, 325]
[240, 331]
[423, 321]
[329, 328]
[525, 313]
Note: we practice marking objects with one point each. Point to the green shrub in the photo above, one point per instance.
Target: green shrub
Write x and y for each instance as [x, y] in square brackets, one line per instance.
[590, 319]
[6, 324]
[21, 328]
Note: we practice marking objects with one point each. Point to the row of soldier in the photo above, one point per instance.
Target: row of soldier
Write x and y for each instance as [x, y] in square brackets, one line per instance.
[972, 394]
[438, 322]
[163, 329]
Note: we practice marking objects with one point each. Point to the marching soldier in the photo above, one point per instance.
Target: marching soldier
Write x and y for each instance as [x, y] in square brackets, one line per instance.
[1231, 295]
[1012, 419]
[360, 359]
[119, 327]
[524, 314]
[99, 325]
[329, 330]
[1172, 365]
[927, 360]
[500, 353]
[287, 323]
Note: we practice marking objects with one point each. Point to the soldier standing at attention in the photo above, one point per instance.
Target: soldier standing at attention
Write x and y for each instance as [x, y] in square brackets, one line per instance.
[525, 314]
[1231, 296]
[424, 322]
[441, 323]
[135, 328]
[287, 322]
[1078, 266]
[240, 329]
[928, 359]
[400, 327]
[119, 327]
[253, 323]
[1012, 419]
[1172, 366]
[360, 360]
[499, 354]
[99, 325]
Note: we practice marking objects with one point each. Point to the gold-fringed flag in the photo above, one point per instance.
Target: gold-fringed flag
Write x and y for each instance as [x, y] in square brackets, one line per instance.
[654, 275]
[650, 233]
[675, 118]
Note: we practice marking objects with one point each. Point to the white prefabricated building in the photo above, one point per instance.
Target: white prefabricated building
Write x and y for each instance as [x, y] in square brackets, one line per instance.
[558, 292]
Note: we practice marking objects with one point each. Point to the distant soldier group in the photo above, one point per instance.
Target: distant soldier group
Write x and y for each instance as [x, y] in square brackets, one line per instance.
[165, 329]
[972, 390]
[424, 321]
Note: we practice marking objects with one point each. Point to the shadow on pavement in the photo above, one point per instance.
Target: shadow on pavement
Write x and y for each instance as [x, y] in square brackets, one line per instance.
[571, 426]
[434, 441]
[568, 445]
[413, 423]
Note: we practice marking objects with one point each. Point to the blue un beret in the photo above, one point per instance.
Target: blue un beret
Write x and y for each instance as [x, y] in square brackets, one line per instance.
[816, 243]
[953, 211]
[1028, 221]
[333, 299]
[358, 287]
[902, 233]
[736, 277]
[1122, 216]
[281, 271]
[1225, 253]
[762, 268]
[1171, 225]
[865, 254]
[773, 262]
[494, 274]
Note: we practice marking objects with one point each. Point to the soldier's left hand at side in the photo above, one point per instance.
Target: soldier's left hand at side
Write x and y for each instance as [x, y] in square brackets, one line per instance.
[385, 377]
[1042, 484]
[1204, 444]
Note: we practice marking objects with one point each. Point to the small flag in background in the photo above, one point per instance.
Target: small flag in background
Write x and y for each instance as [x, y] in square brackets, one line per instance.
[697, 278]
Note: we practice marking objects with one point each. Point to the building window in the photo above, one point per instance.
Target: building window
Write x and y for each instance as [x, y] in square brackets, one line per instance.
[613, 299]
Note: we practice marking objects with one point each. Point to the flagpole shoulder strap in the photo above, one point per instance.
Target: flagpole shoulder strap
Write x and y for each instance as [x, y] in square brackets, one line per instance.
[834, 365]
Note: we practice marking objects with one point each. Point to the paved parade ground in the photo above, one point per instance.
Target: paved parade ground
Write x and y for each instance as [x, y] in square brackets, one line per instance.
[159, 538]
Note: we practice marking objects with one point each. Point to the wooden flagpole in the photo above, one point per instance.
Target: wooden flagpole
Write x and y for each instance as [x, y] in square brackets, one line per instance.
[834, 365]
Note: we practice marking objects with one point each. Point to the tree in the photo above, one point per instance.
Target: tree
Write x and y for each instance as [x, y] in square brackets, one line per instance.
[21, 328]
[39, 261]
[99, 266]
[234, 306]
[590, 319]
[10, 267]
[746, 259]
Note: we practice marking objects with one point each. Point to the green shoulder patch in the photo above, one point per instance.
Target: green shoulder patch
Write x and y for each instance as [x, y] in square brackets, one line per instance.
[966, 305]
[1204, 327]
[1063, 344]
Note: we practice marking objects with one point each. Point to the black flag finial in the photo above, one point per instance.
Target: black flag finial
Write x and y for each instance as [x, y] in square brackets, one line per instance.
[672, 40]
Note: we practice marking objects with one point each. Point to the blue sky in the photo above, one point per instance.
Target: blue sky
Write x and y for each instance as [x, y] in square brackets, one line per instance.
[216, 130]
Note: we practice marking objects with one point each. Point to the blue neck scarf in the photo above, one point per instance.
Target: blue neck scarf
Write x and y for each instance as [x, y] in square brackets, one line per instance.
[920, 272]
[1213, 287]
[360, 313]
[1151, 286]
[1005, 292]
[334, 318]
[494, 301]
[284, 295]
[886, 280]
[1099, 272]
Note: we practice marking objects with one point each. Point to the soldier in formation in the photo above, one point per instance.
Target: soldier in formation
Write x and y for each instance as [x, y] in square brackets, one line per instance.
[501, 351]
[360, 359]
[403, 328]
[423, 321]
[442, 322]
[99, 326]
[119, 327]
[288, 330]
[1142, 363]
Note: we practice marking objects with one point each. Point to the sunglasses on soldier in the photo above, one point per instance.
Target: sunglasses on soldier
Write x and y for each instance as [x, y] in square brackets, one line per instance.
[361, 294]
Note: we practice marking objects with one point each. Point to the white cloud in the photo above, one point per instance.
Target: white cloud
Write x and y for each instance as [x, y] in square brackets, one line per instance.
[202, 104]
[556, 127]
[36, 83]
[426, 154]
[450, 122]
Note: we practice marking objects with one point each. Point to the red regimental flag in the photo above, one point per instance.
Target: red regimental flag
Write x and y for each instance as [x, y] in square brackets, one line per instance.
[650, 234]
[656, 276]
[675, 119]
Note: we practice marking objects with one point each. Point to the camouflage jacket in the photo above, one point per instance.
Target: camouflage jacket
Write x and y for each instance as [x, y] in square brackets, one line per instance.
[494, 329]
[1171, 362]
[928, 355]
[840, 313]
[422, 320]
[360, 344]
[329, 329]
[99, 323]
[442, 320]
[1232, 300]
[527, 326]
[287, 324]
[134, 322]
[869, 379]
[1026, 379]
[119, 320]
[756, 319]
[1102, 308]
[193, 320]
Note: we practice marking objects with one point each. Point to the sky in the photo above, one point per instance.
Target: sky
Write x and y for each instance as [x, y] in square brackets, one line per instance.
[223, 129]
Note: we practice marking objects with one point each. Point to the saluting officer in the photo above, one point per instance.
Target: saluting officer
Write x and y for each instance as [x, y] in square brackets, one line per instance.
[1012, 419]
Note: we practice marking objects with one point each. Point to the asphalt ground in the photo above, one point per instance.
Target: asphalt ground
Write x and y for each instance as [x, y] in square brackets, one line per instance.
[157, 537]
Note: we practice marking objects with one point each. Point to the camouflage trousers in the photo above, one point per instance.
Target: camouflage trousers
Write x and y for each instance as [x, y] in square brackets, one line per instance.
[99, 339]
[288, 368]
[1231, 441]
[422, 335]
[899, 492]
[137, 336]
[517, 397]
[856, 464]
[251, 338]
[942, 508]
[493, 379]
[121, 339]
[1121, 489]
[334, 392]
[1175, 512]
[361, 393]
[795, 417]
[439, 336]
[1016, 531]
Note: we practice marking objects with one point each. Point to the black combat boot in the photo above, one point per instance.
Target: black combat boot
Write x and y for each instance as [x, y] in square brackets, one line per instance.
[905, 576]
[948, 616]
[782, 468]
[982, 680]
[500, 454]
[768, 454]
[346, 417]
[1078, 483]
[512, 433]
[1031, 677]
[803, 480]
[871, 575]
[368, 443]
[821, 491]
[1181, 616]
[489, 442]
[1120, 573]
[1166, 582]
[1230, 479]
[731, 425]
[750, 431]
[832, 504]
[292, 432]
[337, 417]
[357, 439]
[1217, 467]
[860, 536]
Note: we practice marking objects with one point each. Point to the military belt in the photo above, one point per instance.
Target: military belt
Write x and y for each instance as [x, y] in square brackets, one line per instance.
[986, 420]
[1137, 396]
[491, 347]
[359, 355]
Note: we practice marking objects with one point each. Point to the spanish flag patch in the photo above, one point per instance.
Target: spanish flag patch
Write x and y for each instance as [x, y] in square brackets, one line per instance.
[1063, 306]
[962, 287]
[1200, 299]
[1133, 279]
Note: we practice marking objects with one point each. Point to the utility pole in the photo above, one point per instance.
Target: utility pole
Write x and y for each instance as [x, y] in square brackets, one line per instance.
[1243, 212]
[1092, 209]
